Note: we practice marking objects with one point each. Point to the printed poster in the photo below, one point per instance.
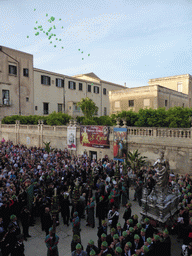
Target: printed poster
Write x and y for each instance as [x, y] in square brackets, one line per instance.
[119, 143]
[94, 136]
[71, 138]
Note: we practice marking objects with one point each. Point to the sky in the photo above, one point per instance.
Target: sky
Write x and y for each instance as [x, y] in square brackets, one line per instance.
[128, 41]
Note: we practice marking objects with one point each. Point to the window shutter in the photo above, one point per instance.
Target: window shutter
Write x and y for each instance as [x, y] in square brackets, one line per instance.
[74, 85]
[63, 83]
[41, 79]
[49, 80]
[98, 89]
[69, 84]
[56, 82]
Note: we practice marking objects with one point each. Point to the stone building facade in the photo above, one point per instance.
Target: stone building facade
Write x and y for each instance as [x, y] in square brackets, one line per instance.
[151, 96]
[16, 83]
[25, 90]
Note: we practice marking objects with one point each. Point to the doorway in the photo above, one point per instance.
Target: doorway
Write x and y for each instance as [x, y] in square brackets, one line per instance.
[93, 155]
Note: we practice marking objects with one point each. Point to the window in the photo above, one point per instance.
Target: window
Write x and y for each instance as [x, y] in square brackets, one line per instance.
[96, 112]
[46, 80]
[59, 82]
[183, 105]
[12, 70]
[165, 103]
[179, 87]
[5, 97]
[36, 108]
[89, 88]
[96, 89]
[76, 108]
[105, 111]
[27, 99]
[80, 87]
[146, 102]
[131, 103]
[72, 85]
[26, 72]
[45, 108]
[117, 104]
[104, 91]
[59, 107]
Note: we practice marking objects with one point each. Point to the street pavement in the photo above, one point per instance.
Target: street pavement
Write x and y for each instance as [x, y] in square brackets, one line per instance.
[35, 246]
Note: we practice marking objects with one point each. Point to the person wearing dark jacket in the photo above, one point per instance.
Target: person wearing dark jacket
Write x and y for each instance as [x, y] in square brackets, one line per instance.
[127, 213]
[110, 236]
[91, 247]
[18, 249]
[76, 240]
[100, 209]
[47, 221]
[148, 227]
[166, 244]
[65, 211]
[25, 215]
[102, 229]
[128, 249]
[138, 243]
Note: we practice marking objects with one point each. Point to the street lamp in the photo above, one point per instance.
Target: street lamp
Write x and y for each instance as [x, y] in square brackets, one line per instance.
[1, 50]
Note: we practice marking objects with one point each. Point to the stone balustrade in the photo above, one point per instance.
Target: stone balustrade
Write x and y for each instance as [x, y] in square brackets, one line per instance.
[176, 142]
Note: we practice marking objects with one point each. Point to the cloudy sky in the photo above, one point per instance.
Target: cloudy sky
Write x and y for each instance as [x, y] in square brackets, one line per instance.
[128, 41]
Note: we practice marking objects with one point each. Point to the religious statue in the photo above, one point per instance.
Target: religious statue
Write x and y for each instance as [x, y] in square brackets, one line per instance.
[162, 166]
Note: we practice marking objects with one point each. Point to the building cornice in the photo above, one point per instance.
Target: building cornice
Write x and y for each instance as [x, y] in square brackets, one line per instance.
[170, 78]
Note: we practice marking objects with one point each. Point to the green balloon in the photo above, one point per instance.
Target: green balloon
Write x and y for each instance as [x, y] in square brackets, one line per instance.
[54, 45]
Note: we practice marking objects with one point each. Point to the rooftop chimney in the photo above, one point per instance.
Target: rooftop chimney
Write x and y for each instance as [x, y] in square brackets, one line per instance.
[125, 84]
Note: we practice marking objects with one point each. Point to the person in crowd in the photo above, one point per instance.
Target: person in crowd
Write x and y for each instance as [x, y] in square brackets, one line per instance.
[76, 224]
[47, 220]
[91, 247]
[127, 213]
[52, 241]
[79, 251]
[91, 213]
[76, 240]
[102, 229]
[113, 216]
[100, 209]
[25, 216]
[19, 247]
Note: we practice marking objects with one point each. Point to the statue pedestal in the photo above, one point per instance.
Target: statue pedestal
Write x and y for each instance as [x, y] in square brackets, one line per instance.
[160, 204]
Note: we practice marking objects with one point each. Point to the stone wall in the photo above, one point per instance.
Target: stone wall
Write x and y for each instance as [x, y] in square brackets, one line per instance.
[176, 143]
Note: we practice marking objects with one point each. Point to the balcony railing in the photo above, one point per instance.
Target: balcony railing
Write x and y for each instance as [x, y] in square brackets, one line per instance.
[5, 103]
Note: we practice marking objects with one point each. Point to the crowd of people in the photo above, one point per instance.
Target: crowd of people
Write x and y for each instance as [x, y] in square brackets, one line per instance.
[85, 189]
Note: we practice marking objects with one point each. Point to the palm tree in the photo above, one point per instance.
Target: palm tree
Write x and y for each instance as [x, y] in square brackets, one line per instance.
[135, 161]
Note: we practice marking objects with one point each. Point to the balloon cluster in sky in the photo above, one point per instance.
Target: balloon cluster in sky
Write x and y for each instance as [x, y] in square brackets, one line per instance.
[50, 33]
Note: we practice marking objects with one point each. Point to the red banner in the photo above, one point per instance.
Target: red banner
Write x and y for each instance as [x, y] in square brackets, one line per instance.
[95, 136]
